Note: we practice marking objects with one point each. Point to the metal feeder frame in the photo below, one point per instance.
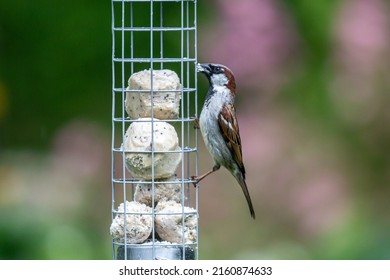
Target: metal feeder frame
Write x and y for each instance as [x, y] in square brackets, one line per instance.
[144, 37]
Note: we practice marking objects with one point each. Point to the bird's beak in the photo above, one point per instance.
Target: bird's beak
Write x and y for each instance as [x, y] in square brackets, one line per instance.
[203, 68]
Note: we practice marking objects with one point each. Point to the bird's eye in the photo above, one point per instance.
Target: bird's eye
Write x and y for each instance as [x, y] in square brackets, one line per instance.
[218, 69]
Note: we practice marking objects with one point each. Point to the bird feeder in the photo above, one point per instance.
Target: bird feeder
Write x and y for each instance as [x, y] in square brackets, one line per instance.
[154, 144]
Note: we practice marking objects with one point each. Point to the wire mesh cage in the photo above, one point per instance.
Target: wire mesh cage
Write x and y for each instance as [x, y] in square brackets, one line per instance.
[154, 144]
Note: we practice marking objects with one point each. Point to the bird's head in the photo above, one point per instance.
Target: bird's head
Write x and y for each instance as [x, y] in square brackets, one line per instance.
[218, 75]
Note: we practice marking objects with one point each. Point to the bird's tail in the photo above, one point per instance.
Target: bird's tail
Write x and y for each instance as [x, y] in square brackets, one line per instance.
[244, 188]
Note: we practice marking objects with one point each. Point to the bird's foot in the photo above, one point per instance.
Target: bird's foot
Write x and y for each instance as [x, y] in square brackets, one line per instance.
[196, 122]
[195, 181]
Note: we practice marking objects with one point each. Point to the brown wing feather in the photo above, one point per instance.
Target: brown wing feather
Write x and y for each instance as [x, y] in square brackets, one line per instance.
[229, 127]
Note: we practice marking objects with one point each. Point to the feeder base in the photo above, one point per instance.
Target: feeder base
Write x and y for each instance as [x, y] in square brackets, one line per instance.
[145, 252]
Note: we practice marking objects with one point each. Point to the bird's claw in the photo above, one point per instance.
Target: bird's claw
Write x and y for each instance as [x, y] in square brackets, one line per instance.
[195, 179]
[196, 122]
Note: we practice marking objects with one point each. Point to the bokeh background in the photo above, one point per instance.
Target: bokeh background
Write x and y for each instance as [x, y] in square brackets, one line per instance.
[313, 107]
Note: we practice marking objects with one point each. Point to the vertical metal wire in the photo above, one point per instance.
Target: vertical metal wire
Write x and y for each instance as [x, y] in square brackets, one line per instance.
[112, 121]
[129, 60]
[161, 35]
[152, 127]
[123, 87]
[182, 122]
[196, 131]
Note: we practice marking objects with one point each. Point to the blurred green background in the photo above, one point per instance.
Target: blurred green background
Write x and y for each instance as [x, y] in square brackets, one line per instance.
[313, 107]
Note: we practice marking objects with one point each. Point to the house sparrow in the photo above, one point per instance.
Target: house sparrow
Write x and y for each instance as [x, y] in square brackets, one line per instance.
[219, 126]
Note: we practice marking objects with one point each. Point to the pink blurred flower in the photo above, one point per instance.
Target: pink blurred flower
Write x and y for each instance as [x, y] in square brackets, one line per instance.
[362, 43]
[362, 35]
[254, 38]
